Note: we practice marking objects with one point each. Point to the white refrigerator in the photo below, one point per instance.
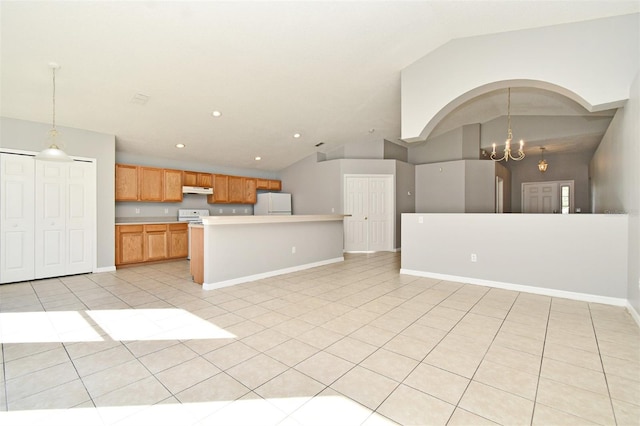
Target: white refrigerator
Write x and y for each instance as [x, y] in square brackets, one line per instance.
[272, 203]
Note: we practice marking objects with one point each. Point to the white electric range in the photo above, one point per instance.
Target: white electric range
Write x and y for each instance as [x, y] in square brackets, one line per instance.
[191, 216]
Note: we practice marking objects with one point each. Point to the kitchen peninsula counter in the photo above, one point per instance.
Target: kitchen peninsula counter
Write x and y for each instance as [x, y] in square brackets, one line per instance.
[238, 249]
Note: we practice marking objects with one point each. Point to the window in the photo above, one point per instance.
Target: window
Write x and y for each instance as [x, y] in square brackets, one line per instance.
[565, 198]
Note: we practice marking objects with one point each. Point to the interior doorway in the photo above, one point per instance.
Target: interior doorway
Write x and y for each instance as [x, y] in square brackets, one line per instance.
[548, 197]
[369, 201]
[499, 195]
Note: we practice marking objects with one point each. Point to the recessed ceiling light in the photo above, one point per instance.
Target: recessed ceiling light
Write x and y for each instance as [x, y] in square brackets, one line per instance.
[296, 135]
[180, 145]
[139, 99]
[216, 113]
[258, 158]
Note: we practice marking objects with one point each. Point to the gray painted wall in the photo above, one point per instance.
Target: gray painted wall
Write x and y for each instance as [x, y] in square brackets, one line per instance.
[569, 257]
[440, 187]
[317, 185]
[445, 147]
[393, 151]
[32, 136]
[615, 179]
[561, 167]
[479, 186]
[236, 251]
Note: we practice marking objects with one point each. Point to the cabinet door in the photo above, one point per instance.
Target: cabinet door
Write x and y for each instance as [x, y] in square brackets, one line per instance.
[172, 185]
[16, 218]
[275, 185]
[220, 189]
[155, 242]
[262, 183]
[151, 181]
[126, 182]
[236, 189]
[249, 190]
[129, 244]
[205, 180]
[190, 178]
[178, 238]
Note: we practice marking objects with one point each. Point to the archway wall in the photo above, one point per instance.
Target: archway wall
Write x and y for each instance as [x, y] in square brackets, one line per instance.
[591, 62]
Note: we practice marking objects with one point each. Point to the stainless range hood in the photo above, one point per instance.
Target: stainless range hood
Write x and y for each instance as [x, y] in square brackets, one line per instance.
[197, 190]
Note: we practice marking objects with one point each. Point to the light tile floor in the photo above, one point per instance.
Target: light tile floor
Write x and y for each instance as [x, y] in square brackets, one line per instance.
[349, 343]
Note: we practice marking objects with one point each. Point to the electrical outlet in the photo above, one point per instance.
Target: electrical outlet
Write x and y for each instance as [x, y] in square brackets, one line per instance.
[474, 257]
[333, 209]
[166, 211]
[137, 211]
[246, 210]
[233, 211]
[220, 211]
[293, 250]
[420, 219]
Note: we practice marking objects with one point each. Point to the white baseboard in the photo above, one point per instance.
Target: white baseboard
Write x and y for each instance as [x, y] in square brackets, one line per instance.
[104, 269]
[634, 313]
[249, 278]
[584, 297]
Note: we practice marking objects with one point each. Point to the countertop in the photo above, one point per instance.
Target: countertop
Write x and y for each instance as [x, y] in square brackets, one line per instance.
[247, 220]
[145, 220]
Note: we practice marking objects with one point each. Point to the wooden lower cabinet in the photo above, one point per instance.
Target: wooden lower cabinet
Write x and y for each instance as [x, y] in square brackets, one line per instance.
[129, 244]
[196, 264]
[151, 243]
[178, 240]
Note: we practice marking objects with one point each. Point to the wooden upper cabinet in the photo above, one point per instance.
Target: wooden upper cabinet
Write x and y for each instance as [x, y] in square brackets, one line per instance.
[220, 190]
[205, 180]
[126, 182]
[250, 190]
[151, 182]
[190, 178]
[236, 189]
[172, 185]
[262, 183]
[269, 184]
[275, 185]
[197, 179]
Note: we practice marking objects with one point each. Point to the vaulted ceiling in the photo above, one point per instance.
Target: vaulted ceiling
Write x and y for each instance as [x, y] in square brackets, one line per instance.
[152, 73]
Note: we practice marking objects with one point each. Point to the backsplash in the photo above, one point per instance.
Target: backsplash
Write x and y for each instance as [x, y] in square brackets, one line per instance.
[170, 210]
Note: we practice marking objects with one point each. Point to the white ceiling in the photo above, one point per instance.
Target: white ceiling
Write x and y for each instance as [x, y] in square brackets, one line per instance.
[327, 70]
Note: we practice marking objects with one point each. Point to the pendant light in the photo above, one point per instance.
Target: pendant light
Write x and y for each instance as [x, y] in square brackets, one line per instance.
[542, 164]
[53, 153]
[508, 154]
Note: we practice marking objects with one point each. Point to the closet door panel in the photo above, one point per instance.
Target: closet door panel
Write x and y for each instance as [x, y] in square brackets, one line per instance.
[79, 217]
[50, 220]
[16, 218]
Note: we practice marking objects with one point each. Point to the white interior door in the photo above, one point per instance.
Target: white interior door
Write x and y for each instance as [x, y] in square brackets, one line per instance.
[50, 220]
[548, 197]
[356, 204]
[16, 216]
[369, 201]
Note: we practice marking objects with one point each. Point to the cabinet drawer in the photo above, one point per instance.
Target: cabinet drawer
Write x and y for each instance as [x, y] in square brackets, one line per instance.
[129, 228]
[178, 226]
[155, 228]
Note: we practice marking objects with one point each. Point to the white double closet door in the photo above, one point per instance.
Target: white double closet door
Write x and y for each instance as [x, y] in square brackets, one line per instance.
[48, 218]
[369, 201]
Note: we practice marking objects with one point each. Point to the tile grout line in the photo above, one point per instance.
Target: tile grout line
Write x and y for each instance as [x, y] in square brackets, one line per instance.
[606, 381]
[544, 343]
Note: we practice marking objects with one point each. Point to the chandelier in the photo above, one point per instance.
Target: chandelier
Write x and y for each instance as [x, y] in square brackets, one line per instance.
[507, 147]
[53, 153]
[542, 164]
